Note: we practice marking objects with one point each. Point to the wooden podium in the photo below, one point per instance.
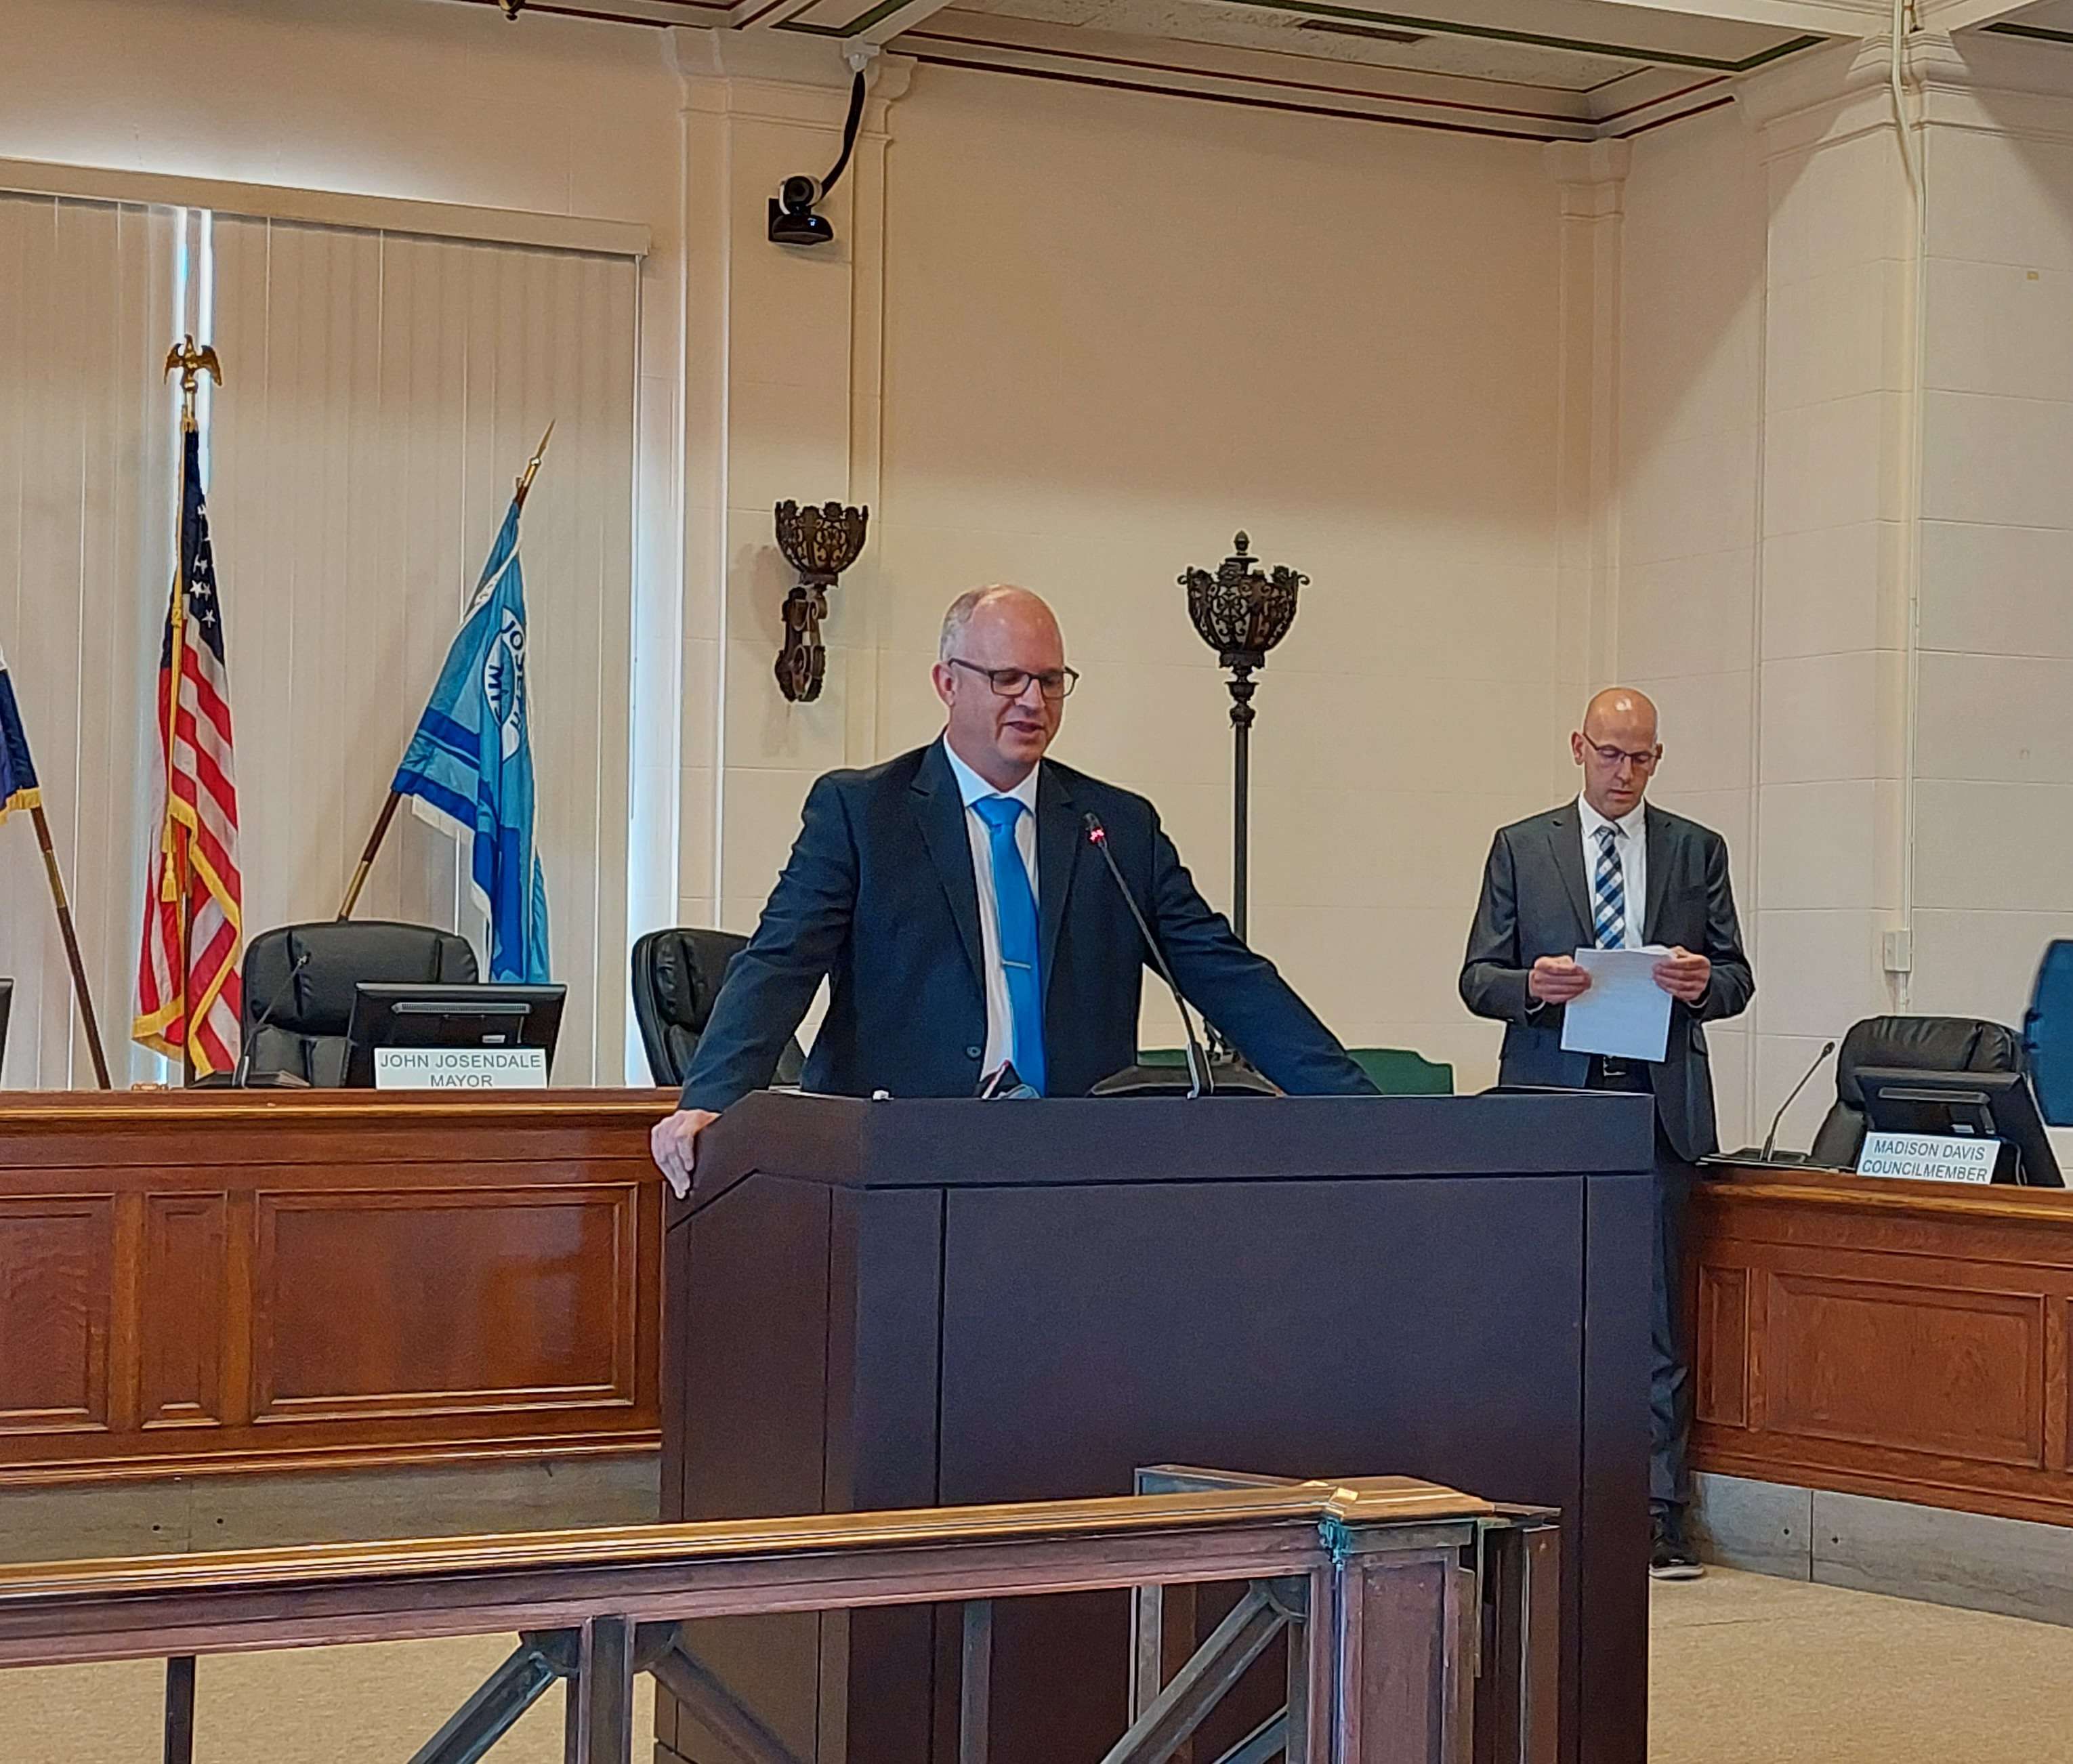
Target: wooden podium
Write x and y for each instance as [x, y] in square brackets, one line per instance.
[897, 1304]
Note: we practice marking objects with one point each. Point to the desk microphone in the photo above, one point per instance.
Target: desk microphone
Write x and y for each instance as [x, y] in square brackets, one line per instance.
[242, 1073]
[1199, 1082]
[1770, 1139]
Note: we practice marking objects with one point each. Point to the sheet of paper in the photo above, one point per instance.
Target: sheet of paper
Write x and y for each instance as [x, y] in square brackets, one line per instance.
[1625, 1016]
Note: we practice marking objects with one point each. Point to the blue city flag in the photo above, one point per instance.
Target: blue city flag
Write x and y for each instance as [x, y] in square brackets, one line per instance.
[18, 774]
[469, 767]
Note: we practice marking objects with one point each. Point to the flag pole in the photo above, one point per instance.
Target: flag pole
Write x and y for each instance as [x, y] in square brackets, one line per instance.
[192, 363]
[71, 936]
[372, 848]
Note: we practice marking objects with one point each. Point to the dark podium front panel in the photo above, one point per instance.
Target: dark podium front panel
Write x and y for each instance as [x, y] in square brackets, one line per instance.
[901, 1303]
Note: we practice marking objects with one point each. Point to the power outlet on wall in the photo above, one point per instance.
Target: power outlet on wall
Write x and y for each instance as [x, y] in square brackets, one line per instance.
[1897, 950]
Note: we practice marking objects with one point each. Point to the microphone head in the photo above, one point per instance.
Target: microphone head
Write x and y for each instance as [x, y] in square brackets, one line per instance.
[1096, 834]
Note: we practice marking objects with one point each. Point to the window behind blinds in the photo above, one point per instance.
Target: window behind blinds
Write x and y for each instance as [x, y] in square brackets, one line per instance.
[87, 312]
[382, 391]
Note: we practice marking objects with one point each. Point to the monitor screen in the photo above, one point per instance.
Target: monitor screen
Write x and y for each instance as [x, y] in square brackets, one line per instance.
[1988, 1105]
[422, 1015]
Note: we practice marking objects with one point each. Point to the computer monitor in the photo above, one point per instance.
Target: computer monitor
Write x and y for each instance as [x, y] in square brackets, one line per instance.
[387, 1014]
[1989, 1105]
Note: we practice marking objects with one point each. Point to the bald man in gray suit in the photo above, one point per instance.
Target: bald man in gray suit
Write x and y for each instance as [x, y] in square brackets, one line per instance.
[1608, 871]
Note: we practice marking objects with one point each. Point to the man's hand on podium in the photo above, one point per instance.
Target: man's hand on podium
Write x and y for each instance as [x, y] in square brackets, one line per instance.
[1556, 979]
[674, 1142]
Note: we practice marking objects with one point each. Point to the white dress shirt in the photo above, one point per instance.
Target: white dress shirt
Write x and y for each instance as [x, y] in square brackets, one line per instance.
[1632, 849]
[999, 1013]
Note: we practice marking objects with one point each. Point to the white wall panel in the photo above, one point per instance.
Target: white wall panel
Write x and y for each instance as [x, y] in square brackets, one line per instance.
[86, 514]
[382, 393]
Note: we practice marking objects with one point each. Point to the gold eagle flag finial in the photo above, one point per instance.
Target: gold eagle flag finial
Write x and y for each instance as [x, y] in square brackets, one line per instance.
[192, 363]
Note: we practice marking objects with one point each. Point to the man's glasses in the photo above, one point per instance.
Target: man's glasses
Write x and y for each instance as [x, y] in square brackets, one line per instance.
[1013, 682]
[1643, 761]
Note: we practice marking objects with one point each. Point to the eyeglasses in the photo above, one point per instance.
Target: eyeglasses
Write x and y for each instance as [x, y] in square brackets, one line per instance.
[1643, 761]
[1013, 682]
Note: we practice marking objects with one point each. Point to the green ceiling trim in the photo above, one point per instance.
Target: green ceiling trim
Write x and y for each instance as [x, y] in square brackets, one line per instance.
[1536, 39]
[1323, 9]
[2036, 31]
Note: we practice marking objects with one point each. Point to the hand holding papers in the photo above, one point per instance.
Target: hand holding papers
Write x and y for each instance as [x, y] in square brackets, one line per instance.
[1625, 1013]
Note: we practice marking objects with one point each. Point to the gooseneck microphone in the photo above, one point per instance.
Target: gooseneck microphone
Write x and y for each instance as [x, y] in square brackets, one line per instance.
[1199, 1082]
[1770, 1139]
[242, 1073]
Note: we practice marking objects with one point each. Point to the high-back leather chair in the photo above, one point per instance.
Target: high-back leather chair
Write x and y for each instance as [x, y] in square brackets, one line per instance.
[305, 1035]
[1918, 1044]
[676, 975]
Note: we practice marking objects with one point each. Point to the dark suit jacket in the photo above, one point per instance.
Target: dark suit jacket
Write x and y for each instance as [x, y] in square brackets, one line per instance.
[878, 895]
[1536, 902]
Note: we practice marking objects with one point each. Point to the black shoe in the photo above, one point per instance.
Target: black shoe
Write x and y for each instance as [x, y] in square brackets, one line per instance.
[1670, 1557]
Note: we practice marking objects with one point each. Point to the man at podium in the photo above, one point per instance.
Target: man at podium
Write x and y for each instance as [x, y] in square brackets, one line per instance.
[952, 897]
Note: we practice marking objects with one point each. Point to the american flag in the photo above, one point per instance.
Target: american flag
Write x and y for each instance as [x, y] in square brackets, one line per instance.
[188, 989]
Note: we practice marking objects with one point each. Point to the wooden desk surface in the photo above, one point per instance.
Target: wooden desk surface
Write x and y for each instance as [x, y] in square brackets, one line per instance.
[1902, 1339]
[212, 1279]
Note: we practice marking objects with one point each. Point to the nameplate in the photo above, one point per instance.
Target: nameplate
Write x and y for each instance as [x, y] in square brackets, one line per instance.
[1929, 1157]
[460, 1068]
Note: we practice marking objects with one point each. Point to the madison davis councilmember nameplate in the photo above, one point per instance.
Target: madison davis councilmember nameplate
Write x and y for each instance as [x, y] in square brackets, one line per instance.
[1929, 1157]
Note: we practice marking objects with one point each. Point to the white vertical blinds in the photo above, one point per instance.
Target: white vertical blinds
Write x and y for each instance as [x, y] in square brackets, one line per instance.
[86, 519]
[381, 392]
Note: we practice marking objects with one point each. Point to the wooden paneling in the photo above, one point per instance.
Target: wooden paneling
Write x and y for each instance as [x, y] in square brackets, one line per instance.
[210, 1279]
[1912, 1368]
[1900, 1339]
[1722, 1384]
[477, 1298]
[181, 1336]
[56, 1254]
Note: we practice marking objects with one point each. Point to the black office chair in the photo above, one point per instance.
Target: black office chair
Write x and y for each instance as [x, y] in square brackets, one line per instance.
[304, 1036]
[1919, 1044]
[676, 975]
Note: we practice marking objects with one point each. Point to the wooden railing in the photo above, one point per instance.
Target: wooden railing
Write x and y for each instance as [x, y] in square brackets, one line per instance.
[1422, 1623]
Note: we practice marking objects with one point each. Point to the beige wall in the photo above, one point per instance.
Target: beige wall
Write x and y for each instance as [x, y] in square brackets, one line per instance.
[1869, 639]
[1993, 797]
[1691, 453]
[1119, 329]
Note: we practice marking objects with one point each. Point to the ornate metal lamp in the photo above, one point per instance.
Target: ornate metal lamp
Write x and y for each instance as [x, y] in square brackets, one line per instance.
[1242, 612]
[820, 544]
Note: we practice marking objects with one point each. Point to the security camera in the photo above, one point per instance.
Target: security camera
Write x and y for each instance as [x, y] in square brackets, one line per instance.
[793, 220]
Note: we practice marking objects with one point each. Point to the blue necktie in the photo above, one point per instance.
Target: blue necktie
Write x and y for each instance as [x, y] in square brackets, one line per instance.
[1014, 904]
[1609, 892]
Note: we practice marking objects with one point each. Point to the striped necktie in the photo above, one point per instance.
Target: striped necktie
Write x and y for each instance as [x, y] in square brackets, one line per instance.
[1015, 906]
[1609, 892]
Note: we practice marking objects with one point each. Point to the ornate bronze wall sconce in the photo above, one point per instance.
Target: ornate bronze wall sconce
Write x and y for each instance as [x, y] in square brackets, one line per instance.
[1242, 612]
[820, 544]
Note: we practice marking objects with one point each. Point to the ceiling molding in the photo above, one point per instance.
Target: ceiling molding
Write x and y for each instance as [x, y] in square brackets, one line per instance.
[1591, 176]
[761, 56]
[1244, 64]
[1948, 15]
[1254, 79]
[1827, 18]
[1813, 85]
